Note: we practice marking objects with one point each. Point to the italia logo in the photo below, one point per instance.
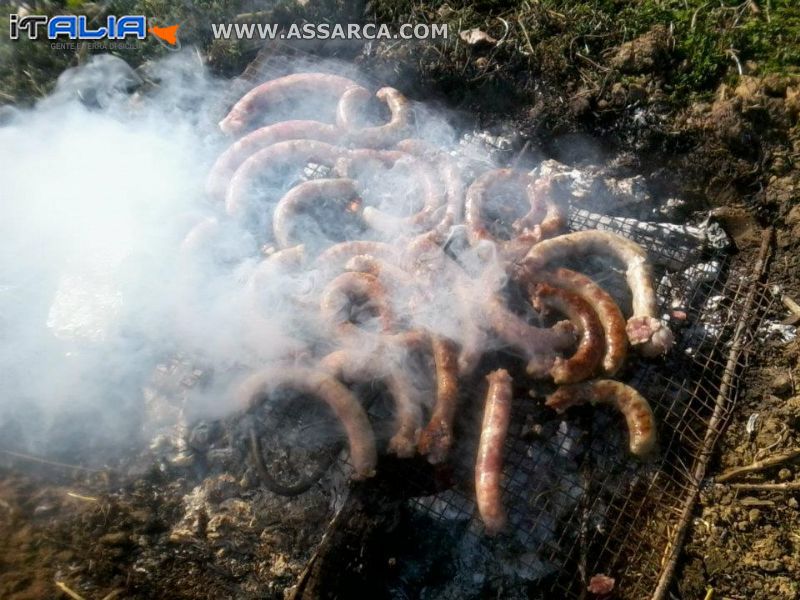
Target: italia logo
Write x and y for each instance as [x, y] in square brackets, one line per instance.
[76, 27]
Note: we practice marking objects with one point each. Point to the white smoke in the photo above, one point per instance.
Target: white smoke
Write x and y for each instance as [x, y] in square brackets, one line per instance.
[101, 182]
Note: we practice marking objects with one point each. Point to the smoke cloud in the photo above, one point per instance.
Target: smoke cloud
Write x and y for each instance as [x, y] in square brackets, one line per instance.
[101, 183]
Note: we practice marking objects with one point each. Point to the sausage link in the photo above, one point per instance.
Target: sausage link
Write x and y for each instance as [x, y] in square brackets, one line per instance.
[350, 110]
[610, 315]
[225, 166]
[437, 437]
[339, 294]
[451, 177]
[322, 386]
[358, 367]
[489, 464]
[294, 154]
[586, 360]
[291, 87]
[300, 197]
[644, 328]
[544, 218]
[634, 407]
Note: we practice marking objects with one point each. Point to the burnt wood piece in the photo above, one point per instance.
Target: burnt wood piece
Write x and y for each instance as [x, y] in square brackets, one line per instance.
[352, 560]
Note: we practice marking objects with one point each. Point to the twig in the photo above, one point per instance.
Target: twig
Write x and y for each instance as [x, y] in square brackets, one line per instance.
[64, 588]
[520, 154]
[732, 53]
[591, 62]
[527, 37]
[80, 497]
[759, 465]
[765, 487]
[793, 307]
[52, 463]
[714, 423]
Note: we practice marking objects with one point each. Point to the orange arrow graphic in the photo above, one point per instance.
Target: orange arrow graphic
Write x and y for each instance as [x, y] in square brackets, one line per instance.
[168, 34]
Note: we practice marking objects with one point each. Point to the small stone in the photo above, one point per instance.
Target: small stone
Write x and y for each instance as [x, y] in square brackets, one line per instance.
[770, 566]
[784, 474]
[742, 526]
[775, 84]
[781, 383]
[748, 89]
[645, 53]
[119, 538]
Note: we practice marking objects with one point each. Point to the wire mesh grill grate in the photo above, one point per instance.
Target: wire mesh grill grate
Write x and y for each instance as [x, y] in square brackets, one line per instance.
[578, 503]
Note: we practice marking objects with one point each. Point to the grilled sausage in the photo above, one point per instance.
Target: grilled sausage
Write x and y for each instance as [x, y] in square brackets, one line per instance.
[536, 344]
[225, 166]
[610, 315]
[489, 464]
[637, 411]
[293, 154]
[644, 328]
[276, 91]
[303, 195]
[544, 218]
[437, 437]
[353, 366]
[356, 162]
[338, 297]
[322, 386]
[451, 177]
[351, 108]
[586, 360]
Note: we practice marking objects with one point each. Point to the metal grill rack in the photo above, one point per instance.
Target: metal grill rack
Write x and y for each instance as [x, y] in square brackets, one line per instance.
[578, 503]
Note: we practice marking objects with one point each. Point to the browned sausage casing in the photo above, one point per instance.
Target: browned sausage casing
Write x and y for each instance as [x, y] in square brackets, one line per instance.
[225, 166]
[451, 177]
[322, 386]
[437, 437]
[489, 464]
[339, 294]
[357, 161]
[354, 366]
[303, 195]
[635, 408]
[353, 103]
[295, 154]
[586, 360]
[545, 217]
[607, 310]
[644, 328]
[268, 94]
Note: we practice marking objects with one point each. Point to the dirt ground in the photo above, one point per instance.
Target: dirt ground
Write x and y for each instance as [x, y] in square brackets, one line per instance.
[733, 148]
